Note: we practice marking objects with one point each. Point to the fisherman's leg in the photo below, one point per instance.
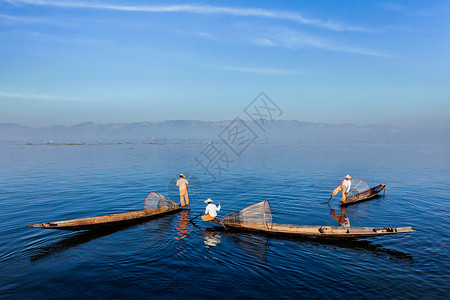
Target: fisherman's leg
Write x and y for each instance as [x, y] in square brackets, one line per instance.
[336, 190]
[182, 198]
[187, 198]
[207, 218]
[344, 196]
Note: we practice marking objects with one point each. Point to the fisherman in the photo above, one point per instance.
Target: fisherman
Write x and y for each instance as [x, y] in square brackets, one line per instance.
[344, 186]
[211, 210]
[184, 195]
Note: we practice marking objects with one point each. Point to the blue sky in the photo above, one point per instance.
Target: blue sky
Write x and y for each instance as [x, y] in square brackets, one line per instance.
[362, 62]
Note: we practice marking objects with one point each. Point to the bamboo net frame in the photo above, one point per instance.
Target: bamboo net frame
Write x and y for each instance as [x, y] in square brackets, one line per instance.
[358, 190]
[154, 200]
[259, 214]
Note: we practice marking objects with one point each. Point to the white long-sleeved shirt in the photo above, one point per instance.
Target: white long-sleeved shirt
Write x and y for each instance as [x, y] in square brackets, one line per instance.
[212, 210]
[182, 183]
[347, 184]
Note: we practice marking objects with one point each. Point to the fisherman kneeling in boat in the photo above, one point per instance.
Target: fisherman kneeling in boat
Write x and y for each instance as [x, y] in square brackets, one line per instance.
[211, 210]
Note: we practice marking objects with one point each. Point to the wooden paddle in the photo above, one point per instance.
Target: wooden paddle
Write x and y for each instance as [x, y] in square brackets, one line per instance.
[191, 219]
[327, 201]
[340, 182]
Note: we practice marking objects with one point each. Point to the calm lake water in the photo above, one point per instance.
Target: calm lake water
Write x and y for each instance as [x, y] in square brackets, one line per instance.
[170, 258]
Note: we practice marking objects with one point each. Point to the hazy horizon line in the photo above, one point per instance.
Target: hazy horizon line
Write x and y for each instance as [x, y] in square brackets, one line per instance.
[206, 121]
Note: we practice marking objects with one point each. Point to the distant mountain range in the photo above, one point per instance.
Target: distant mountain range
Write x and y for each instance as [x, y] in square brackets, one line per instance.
[185, 130]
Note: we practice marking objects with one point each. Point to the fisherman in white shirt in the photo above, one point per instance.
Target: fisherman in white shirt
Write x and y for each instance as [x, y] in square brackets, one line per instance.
[182, 184]
[344, 186]
[211, 210]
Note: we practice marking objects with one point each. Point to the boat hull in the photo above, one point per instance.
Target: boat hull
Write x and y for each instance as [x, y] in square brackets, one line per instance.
[322, 232]
[366, 195]
[115, 220]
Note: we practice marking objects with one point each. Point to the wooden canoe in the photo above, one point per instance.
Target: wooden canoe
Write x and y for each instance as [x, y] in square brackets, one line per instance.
[315, 231]
[364, 196]
[122, 219]
[258, 218]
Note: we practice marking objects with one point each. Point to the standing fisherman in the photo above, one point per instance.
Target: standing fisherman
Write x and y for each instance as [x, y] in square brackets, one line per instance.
[344, 186]
[182, 184]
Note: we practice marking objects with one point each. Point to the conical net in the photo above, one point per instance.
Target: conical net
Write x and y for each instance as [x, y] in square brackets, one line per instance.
[258, 214]
[155, 201]
[358, 190]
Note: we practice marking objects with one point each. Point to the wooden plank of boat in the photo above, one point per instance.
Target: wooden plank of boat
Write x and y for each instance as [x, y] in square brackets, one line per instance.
[364, 196]
[121, 219]
[316, 231]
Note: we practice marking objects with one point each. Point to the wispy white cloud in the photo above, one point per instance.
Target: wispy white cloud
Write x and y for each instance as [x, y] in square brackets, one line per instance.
[46, 97]
[205, 9]
[291, 39]
[285, 38]
[403, 28]
[43, 36]
[406, 10]
[265, 42]
[25, 20]
[205, 35]
[267, 71]
[194, 33]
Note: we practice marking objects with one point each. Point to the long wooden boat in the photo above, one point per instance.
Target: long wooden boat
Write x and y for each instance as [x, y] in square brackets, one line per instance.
[316, 231]
[365, 195]
[121, 219]
[258, 218]
[163, 206]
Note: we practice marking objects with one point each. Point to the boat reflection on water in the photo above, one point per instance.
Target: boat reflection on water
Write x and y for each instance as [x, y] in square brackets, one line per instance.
[68, 242]
[342, 219]
[211, 238]
[256, 245]
[366, 247]
[82, 237]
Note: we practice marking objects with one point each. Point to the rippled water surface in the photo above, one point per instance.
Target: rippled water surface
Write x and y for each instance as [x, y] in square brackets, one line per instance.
[169, 257]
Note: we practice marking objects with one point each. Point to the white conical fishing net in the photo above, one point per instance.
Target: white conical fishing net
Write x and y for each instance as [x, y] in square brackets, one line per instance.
[359, 190]
[155, 200]
[258, 214]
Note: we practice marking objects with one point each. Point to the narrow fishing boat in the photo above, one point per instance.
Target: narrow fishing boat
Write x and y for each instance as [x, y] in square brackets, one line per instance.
[360, 191]
[155, 205]
[364, 194]
[258, 218]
